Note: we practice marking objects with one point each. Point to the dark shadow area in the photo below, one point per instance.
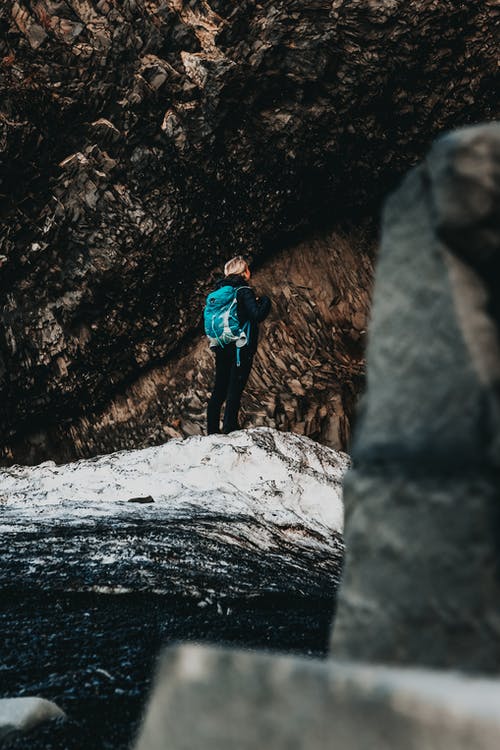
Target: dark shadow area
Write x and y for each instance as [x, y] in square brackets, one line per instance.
[94, 654]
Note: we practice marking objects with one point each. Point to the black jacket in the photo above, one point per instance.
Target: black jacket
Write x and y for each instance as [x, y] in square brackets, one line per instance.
[248, 307]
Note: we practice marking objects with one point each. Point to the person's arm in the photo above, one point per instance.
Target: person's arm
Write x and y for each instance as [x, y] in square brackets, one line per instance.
[255, 310]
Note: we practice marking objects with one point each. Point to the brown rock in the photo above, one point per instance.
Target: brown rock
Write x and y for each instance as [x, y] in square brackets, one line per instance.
[237, 128]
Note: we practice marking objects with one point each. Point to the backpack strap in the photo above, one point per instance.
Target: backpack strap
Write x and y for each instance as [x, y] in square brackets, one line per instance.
[238, 289]
[245, 326]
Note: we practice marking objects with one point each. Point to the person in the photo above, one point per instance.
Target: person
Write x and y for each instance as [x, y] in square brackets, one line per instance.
[232, 371]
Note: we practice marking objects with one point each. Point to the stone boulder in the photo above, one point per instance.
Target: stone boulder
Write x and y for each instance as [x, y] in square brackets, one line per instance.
[21, 715]
[211, 698]
[422, 500]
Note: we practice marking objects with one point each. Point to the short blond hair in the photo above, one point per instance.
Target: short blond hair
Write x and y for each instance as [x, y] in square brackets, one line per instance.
[236, 265]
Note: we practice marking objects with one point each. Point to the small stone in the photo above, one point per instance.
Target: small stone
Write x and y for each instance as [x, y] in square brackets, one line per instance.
[20, 715]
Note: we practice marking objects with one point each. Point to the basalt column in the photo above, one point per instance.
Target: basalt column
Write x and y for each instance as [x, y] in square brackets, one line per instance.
[422, 579]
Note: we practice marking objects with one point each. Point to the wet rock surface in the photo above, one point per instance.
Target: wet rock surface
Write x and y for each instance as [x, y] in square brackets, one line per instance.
[95, 655]
[251, 513]
[143, 143]
[242, 544]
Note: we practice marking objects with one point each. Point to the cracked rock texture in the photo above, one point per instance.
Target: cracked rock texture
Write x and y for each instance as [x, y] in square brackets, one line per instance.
[306, 376]
[141, 143]
[427, 450]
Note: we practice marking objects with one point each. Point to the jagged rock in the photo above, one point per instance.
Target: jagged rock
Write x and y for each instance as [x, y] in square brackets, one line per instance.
[222, 699]
[300, 381]
[188, 132]
[21, 715]
[422, 581]
[250, 514]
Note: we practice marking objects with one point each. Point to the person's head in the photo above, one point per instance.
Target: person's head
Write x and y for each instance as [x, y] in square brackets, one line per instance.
[237, 266]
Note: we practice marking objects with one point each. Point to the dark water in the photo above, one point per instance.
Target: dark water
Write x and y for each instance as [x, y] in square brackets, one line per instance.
[94, 655]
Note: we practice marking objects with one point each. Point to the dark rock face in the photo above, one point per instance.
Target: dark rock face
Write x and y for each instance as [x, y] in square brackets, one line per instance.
[422, 586]
[142, 143]
[306, 376]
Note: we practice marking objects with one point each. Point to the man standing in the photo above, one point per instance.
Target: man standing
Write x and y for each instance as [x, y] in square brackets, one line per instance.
[233, 360]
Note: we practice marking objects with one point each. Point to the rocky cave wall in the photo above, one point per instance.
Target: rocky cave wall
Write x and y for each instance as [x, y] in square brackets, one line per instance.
[143, 142]
[306, 377]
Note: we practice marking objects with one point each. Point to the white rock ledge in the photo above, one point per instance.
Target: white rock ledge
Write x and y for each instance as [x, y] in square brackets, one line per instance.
[220, 506]
[212, 699]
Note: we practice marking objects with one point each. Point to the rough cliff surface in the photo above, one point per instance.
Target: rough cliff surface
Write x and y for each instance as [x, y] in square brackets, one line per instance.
[306, 376]
[142, 142]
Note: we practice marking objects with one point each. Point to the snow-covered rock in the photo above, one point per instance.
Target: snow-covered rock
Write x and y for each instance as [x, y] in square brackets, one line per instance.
[19, 715]
[254, 512]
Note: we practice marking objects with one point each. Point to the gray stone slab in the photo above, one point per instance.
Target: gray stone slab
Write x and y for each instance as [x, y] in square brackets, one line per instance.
[427, 394]
[208, 698]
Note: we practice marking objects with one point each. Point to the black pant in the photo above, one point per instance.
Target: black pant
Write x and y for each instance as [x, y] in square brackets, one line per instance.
[230, 380]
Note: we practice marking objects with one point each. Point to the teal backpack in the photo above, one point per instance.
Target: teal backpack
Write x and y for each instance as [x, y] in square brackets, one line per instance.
[221, 319]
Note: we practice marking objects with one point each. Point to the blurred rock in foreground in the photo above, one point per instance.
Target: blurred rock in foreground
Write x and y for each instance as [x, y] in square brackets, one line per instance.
[427, 452]
[21, 715]
[210, 698]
